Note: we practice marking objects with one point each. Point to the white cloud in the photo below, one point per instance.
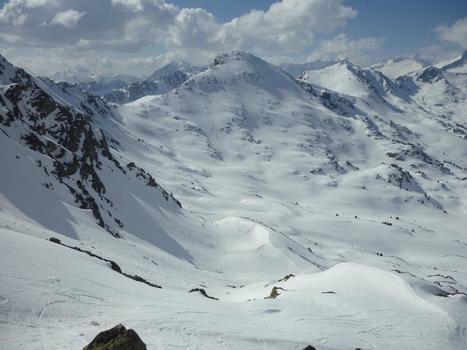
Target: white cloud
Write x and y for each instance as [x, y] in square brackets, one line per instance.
[457, 33]
[193, 28]
[68, 18]
[287, 30]
[119, 25]
[41, 61]
[287, 24]
[341, 46]
[437, 53]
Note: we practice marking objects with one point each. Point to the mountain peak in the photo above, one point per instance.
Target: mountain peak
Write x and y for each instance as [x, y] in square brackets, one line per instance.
[170, 68]
[239, 69]
[236, 55]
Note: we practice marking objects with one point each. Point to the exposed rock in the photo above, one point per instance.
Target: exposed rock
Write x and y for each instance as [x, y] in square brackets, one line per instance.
[113, 265]
[203, 292]
[274, 293]
[55, 240]
[309, 347]
[286, 278]
[116, 338]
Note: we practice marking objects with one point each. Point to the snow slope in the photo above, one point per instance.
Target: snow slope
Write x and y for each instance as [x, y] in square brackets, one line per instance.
[397, 67]
[457, 65]
[347, 78]
[359, 194]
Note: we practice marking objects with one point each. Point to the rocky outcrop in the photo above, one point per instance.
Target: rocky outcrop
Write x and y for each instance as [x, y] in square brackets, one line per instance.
[203, 293]
[274, 293]
[113, 265]
[64, 123]
[116, 338]
[309, 347]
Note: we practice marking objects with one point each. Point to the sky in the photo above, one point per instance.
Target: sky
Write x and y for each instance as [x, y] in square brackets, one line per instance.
[138, 36]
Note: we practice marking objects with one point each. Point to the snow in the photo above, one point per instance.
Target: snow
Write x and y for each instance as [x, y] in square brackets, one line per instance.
[456, 65]
[367, 210]
[397, 67]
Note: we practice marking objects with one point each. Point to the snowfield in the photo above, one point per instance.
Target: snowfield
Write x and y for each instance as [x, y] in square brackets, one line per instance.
[345, 191]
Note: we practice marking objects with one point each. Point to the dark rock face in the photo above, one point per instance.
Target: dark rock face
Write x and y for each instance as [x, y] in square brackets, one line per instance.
[203, 293]
[116, 338]
[286, 278]
[430, 75]
[309, 347]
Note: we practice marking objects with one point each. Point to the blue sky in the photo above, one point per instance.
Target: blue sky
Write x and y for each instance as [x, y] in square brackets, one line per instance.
[135, 36]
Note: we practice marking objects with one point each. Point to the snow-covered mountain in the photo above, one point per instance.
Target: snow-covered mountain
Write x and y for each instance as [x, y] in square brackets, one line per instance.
[75, 75]
[174, 67]
[397, 67]
[328, 210]
[295, 69]
[106, 84]
[161, 81]
[457, 65]
[92, 82]
[347, 78]
[120, 88]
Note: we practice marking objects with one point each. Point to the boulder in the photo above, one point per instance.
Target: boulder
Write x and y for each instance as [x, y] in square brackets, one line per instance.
[116, 338]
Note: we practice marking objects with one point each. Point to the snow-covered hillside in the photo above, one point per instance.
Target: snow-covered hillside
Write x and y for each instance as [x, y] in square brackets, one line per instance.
[345, 190]
[347, 78]
[397, 67]
[457, 65]
[295, 69]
